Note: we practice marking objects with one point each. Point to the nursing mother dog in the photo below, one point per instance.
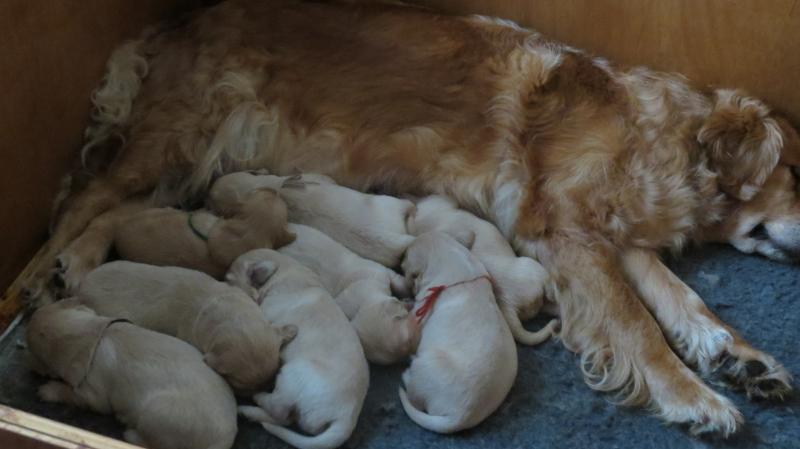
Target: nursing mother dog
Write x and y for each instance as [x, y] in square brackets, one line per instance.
[577, 161]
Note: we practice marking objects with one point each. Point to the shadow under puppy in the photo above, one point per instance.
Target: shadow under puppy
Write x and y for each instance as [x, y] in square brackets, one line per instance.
[364, 290]
[157, 385]
[324, 377]
[218, 319]
[519, 282]
[466, 360]
[166, 236]
[372, 226]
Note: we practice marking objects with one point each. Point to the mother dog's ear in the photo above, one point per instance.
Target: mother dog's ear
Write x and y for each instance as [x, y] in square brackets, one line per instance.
[743, 142]
[790, 154]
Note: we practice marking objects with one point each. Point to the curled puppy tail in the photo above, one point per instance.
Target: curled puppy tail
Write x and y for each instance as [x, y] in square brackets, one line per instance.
[524, 336]
[435, 423]
[399, 286]
[334, 436]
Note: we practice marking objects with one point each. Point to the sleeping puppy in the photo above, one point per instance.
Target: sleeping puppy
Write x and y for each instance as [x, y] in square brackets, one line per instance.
[466, 360]
[199, 240]
[518, 281]
[364, 291]
[324, 377]
[218, 319]
[157, 385]
[372, 226]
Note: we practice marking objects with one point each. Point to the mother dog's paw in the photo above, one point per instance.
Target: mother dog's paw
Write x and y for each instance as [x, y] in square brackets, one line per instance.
[755, 372]
[69, 272]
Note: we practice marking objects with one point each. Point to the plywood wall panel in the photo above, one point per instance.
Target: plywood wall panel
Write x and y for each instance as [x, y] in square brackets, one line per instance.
[53, 54]
[753, 44]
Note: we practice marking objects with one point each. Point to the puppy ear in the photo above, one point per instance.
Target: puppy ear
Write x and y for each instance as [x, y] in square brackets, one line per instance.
[294, 182]
[287, 334]
[464, 237]
[286, 238]
[743, 142]
[259, 272]
[214, 362]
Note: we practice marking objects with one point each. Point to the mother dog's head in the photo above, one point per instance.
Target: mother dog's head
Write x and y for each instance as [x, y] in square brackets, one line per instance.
[756, 155]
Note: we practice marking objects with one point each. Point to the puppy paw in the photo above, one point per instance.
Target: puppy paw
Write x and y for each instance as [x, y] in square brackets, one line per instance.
[133, 437]
[54, 391]
[755, 372]
[253, 413]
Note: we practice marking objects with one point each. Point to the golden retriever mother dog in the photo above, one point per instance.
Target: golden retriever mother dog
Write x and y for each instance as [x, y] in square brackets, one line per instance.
[578, 163]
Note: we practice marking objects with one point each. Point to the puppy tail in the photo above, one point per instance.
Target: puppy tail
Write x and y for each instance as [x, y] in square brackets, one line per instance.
[524, 336]
[435, 423]
[334, 436]
[399, 286]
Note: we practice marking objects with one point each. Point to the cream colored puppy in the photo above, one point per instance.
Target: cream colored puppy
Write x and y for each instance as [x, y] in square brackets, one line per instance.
[372, 226]
[157, 385]
[519, 282]
[364, 291]
[218, 319]
[324, 377]
[466, 360]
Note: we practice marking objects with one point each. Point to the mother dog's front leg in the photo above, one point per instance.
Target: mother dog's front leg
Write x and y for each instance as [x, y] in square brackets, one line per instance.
[622, 348]
[702, 338]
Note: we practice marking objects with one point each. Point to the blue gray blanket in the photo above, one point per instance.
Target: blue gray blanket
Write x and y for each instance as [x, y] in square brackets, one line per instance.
[550, 406]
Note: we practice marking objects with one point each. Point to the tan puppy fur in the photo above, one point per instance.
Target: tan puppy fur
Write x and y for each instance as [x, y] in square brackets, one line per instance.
[218, 319]
[164, 237]
[157, 385]
[466, 360]
[198, 240]
[372, 226]
[518, 282]
[364, 290]
[324, 378]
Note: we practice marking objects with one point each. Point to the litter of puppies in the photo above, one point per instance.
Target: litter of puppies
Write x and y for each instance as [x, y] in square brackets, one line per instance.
[283, 289]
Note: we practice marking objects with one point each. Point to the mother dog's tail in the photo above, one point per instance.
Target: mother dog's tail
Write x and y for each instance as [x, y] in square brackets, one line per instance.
[435, 423]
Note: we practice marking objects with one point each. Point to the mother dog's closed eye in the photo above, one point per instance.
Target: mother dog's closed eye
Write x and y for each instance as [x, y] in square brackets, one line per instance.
[574, 160]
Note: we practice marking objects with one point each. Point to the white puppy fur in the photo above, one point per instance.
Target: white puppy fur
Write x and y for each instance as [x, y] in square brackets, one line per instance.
[466, 360]
[364, 290]
[218, 319]
[157, 385]
[519, 282]
[372, 226]
[324, 377]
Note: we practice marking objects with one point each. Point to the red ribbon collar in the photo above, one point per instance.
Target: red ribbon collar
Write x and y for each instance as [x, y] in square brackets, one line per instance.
[436, 291]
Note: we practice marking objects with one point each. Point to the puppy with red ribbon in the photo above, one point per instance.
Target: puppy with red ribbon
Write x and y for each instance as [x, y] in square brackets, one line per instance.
[466, 360]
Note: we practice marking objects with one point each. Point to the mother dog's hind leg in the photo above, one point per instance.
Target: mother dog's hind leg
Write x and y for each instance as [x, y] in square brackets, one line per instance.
[91, 249]
[621, 345]
[137, 171]
[702, 339]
